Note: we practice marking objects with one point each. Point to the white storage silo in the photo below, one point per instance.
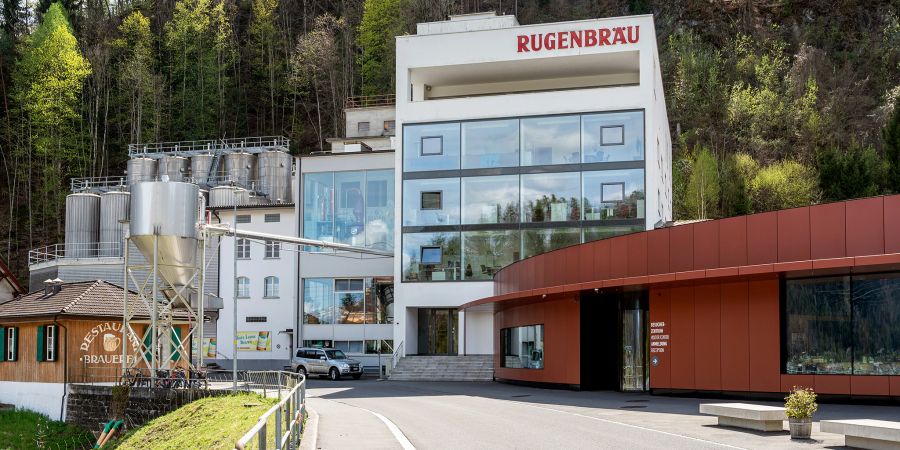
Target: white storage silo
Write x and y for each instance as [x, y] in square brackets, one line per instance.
[82, 225]
[175, 167]
[200, 167]
[141, 169]
[114, 206]
[274, 175]
[239, 167]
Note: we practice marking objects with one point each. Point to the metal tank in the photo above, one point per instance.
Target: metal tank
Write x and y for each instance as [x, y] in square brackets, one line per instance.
[222, 196]
[239, 167]
[113, 210]
[273, 170]
[141, 169]
[200, 167]
[169, 210]
[175, 167]
[82, 225]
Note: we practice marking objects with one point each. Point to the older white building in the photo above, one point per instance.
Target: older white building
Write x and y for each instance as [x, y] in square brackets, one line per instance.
[513, 141]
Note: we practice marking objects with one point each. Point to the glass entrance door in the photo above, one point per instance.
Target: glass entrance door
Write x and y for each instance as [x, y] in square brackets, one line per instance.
[635, 373]
[437, 331]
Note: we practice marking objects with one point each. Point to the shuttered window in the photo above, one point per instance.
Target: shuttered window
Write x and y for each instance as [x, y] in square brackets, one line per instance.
[10, 347]
[47, 344]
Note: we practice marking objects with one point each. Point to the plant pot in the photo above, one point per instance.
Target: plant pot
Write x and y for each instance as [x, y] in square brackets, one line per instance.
[800, 428]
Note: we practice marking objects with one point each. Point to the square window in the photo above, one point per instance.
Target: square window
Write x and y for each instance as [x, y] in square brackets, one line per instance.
[614, 135]
[431, 200]
[389, 126]
[431, 255]
[273, 218]
[243, 218]
[432, 145]
[612, 192]
[362, 127]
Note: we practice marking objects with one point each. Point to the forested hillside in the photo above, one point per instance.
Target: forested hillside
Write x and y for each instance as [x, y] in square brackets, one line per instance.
[771, 103]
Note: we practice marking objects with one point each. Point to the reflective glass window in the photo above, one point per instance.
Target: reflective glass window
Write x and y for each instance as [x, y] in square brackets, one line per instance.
[614, 194]
[876, 324]
[318, 204]
[350, 208]
[442, 252]
[819, 334]
[608, 137]
[379, 300]
[492, 199]
[431, 147]
[490, 143]
[551, 140]
[380, 209]
[551, 197]
[349, 296]
[537, 241]
[597, 233]
[438, 209]
[523, 347]
[379, 346]
[486, 252]
[318, 298]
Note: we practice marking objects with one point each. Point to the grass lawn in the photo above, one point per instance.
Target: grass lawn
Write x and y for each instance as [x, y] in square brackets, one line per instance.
[27, 429]
[208, 423]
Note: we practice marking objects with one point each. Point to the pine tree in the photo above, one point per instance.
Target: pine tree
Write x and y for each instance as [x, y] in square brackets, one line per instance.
[140, 86]
[382, 20]
[891, 135]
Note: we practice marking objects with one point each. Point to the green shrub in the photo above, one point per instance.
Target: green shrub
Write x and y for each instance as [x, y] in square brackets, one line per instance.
[800, 403]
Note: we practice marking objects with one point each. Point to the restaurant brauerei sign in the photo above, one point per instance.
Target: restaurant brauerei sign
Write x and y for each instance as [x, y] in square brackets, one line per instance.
[562, 40]
[108, 351]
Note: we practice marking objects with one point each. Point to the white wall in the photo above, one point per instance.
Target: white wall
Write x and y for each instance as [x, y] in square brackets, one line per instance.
[44, 398]
[479, 332]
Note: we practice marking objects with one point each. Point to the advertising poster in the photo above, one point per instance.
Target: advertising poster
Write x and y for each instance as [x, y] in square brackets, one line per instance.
[254, 341]
[209, 347]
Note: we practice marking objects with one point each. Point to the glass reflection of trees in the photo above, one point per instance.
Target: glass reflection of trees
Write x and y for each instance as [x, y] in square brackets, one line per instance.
[448, 269]
[486, 252]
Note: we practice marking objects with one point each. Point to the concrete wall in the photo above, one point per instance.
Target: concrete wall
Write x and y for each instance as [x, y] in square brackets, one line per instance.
[45, 398]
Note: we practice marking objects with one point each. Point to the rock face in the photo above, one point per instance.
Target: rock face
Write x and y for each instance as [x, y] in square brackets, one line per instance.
[90, 406]
[444, 368]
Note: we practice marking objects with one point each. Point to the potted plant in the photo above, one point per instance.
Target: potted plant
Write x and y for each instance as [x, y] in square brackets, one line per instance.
[799, 406]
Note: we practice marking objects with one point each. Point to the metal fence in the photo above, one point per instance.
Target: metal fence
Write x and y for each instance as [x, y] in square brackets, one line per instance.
[99, 184]
[365, 101]
[54, 252]
[288, 413]
[187, 148]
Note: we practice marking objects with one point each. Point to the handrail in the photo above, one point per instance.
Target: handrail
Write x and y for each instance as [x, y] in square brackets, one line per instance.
[398, 353]
[187, 148]
[293, 405]
[99, 184]
[365, 101]
[74, 251]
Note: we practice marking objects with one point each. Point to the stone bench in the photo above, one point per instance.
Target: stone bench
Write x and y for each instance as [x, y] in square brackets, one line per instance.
[865, 433]
[746, 415]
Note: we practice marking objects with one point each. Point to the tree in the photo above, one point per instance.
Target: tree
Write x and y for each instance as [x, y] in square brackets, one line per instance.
[696, 93]
[702, 194]
[784, 184]
[264, 59]
[382, 21]
[140, 86]
[854, 173]
[50, 77]
[891, 136]
[737, 171]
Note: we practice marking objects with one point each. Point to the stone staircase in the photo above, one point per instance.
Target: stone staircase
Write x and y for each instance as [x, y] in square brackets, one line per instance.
[444, 368]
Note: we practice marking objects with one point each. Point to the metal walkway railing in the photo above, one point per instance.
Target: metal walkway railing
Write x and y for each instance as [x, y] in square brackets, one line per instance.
[289, 412]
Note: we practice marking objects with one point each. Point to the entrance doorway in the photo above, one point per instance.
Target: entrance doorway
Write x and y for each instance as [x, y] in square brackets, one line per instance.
[437, 331]
[614, 342]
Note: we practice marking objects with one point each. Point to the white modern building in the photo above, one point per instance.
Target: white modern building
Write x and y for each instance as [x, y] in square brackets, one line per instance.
[348, 197]
[513, 141]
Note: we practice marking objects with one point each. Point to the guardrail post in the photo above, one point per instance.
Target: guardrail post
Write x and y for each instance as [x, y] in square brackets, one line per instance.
[278, 428]
[262, 437]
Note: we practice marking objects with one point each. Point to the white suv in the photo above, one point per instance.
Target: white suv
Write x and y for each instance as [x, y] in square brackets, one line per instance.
[325, 361]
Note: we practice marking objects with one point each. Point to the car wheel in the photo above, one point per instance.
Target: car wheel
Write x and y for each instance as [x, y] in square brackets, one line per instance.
[334, 374]
[356, 376]
[301, 370]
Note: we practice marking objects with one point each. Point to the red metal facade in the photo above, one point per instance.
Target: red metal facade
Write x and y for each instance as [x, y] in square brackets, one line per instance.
[714, 284]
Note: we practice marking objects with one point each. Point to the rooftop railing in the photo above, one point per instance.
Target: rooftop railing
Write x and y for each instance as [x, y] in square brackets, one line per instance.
[188, 148]
[99, 184]
[73, 251]
[366, 101]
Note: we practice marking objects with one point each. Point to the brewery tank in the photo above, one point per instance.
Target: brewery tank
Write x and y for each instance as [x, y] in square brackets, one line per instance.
[169, 211]
[82, 225]
[200, 167]
[274, 175]
[113, 211]
[222, 196]
[141, 169]
[238, 167]
[173, 166]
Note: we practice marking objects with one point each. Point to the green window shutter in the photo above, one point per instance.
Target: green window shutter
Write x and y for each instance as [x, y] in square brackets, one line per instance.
[41, 342]
[2, 344]
[148, 342]
[176, 336]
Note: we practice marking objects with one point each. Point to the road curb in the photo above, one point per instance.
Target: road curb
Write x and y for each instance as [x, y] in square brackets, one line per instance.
[311, 432]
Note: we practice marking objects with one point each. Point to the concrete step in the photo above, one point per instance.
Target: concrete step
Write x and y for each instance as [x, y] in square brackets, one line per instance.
[444, 368]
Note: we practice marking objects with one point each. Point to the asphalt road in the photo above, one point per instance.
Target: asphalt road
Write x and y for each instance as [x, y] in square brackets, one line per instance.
[498, 416]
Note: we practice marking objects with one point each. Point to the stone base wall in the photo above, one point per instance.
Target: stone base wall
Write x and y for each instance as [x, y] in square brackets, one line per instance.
[89, 406]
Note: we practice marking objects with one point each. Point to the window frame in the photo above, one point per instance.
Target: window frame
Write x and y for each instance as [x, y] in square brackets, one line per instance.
[11, 344]
[272, 218]
[363, 126]
[440, 195]
[614, 183]
[275, 287]
[242, 248]
[272, 250]
[50, 332]
[440, 139]
[431, 247]
[603, 142]
[237, 287]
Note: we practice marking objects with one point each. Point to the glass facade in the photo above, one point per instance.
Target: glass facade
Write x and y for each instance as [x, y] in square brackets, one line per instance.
[355, 208]
[348, 301]
[523, 347]
[512, 188]
[843, 325]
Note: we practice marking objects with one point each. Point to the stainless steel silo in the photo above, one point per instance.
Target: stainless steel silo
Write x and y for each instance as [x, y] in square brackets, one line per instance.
[114, 207]
[82, 225]
[274, 175]
[239, 167]
[175, 167]
[167, 211]
[200, 167]
[141, 169]
[220, 196]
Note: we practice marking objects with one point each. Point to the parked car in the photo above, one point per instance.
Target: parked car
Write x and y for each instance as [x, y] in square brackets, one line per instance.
[325, 361]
